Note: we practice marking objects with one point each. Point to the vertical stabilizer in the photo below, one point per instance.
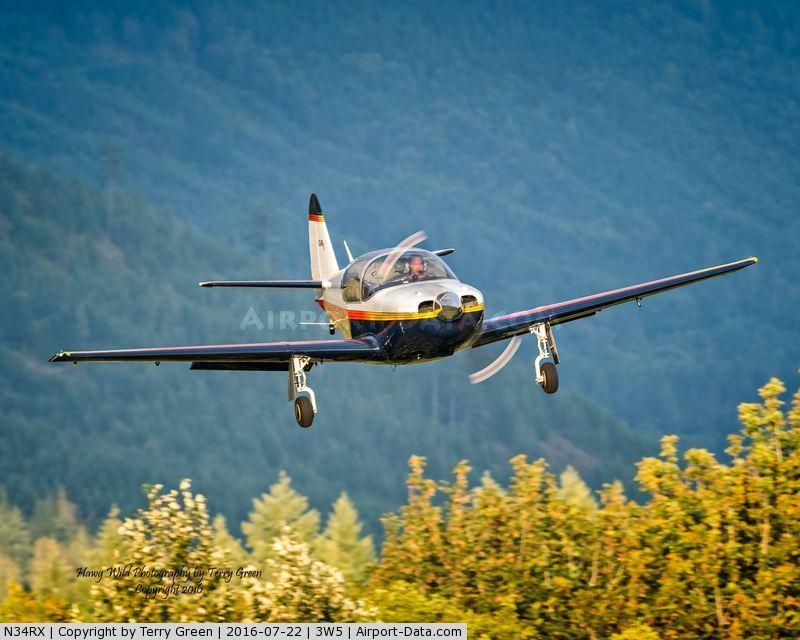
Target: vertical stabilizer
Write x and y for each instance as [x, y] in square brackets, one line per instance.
[323, 258]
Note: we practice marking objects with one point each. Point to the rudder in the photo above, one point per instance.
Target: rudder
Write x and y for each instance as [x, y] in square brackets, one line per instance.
[323, 257]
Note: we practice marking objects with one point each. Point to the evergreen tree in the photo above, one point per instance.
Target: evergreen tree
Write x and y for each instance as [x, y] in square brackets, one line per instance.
[107, 541]
[50, 574]
[574, 491]
[224, 540]
[341, 545]
[272, 512]
[15, 539]
[9, 572]
[54, 517]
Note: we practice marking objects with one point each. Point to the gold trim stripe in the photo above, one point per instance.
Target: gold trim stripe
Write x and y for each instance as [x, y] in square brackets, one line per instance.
[408, 315]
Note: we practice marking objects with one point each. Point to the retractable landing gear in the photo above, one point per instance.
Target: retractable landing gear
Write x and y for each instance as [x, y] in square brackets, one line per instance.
[305, 406]
[546, 373]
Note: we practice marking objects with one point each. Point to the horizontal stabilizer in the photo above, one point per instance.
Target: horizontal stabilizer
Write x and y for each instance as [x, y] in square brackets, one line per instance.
[276, 284]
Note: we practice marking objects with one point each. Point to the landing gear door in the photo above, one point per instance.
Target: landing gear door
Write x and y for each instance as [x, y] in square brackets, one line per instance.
[551, 340]
[291, 378]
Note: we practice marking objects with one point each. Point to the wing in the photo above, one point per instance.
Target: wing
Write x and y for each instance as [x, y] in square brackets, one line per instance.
[243, 356]
[502, 327]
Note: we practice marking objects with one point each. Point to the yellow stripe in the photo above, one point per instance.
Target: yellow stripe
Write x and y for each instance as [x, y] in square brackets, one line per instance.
[412, 315]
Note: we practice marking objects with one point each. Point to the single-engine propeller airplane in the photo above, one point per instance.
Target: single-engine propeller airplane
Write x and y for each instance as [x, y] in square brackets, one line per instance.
[394, 306]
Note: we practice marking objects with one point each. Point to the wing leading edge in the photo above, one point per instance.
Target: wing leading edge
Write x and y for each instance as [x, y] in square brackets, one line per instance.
[506, 326]
[266, 352]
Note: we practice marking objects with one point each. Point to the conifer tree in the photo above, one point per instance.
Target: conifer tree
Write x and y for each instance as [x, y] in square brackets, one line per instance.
[54, 517]
[50, 574]
[224, 540]
[107, 541]
[342, 546]
[272, 512]
[574, 491]
[9, 572]
[15, 539]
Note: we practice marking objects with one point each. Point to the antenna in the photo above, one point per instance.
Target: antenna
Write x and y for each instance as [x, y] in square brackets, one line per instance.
[347, 249]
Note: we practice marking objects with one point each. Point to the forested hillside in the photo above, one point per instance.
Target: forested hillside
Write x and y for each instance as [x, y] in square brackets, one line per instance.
[563, 150]
[99, 431]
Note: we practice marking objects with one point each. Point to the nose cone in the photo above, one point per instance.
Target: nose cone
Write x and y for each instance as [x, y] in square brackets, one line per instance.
[449, 304]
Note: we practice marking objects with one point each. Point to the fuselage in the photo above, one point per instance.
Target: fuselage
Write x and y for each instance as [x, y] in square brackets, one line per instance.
[414, 318]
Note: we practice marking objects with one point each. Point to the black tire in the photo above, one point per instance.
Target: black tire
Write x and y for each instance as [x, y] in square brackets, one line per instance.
[303, 412]
[550, 384]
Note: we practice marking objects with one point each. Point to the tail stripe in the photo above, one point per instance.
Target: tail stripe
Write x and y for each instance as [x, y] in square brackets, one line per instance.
[323, 257]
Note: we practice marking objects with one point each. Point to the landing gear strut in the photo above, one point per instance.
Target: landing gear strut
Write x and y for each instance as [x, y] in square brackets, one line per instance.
[546, 374]
[305, 406]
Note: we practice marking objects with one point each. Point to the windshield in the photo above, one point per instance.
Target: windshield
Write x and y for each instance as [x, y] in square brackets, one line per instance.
[380, 269]
[401, 267]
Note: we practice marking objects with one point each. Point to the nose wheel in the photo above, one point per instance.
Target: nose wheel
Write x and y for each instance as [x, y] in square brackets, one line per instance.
[305, 402]
[546, 373]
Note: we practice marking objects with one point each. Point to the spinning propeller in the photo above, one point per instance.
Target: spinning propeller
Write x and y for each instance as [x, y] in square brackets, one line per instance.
[501, 361]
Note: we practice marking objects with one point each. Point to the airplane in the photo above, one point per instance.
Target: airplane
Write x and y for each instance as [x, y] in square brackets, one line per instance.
[394, 306]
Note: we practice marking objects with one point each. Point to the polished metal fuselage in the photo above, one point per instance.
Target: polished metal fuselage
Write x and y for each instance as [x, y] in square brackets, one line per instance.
[404, 320]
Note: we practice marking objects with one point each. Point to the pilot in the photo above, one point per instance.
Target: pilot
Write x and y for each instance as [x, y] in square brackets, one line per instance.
[416, 268]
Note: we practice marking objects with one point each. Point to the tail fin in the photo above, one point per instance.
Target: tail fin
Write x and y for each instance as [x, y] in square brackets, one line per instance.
[323, 258]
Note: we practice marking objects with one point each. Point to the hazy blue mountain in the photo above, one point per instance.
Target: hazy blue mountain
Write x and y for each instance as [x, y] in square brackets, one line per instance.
[563, 149]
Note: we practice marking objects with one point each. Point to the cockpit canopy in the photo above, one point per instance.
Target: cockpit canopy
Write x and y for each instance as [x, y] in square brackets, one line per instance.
[388, 267]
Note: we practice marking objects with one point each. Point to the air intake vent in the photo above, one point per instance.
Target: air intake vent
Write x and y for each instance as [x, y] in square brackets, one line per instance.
[468, 300]
[427, 305]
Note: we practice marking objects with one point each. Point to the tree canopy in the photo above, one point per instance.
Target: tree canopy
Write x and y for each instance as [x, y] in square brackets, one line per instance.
[710, 552]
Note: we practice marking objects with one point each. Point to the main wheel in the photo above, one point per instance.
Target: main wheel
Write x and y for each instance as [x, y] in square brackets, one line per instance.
[303, 411]
[550, 384]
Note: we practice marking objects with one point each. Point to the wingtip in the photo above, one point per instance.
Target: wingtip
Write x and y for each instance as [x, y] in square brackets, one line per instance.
[205, 284]
[313, 205]
[754, 258]
[61, 356]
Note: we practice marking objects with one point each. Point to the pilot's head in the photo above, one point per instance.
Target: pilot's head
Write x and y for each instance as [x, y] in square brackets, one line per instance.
[416, 266]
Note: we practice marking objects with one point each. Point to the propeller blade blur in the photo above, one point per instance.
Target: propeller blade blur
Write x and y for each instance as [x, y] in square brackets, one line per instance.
[501, 361]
